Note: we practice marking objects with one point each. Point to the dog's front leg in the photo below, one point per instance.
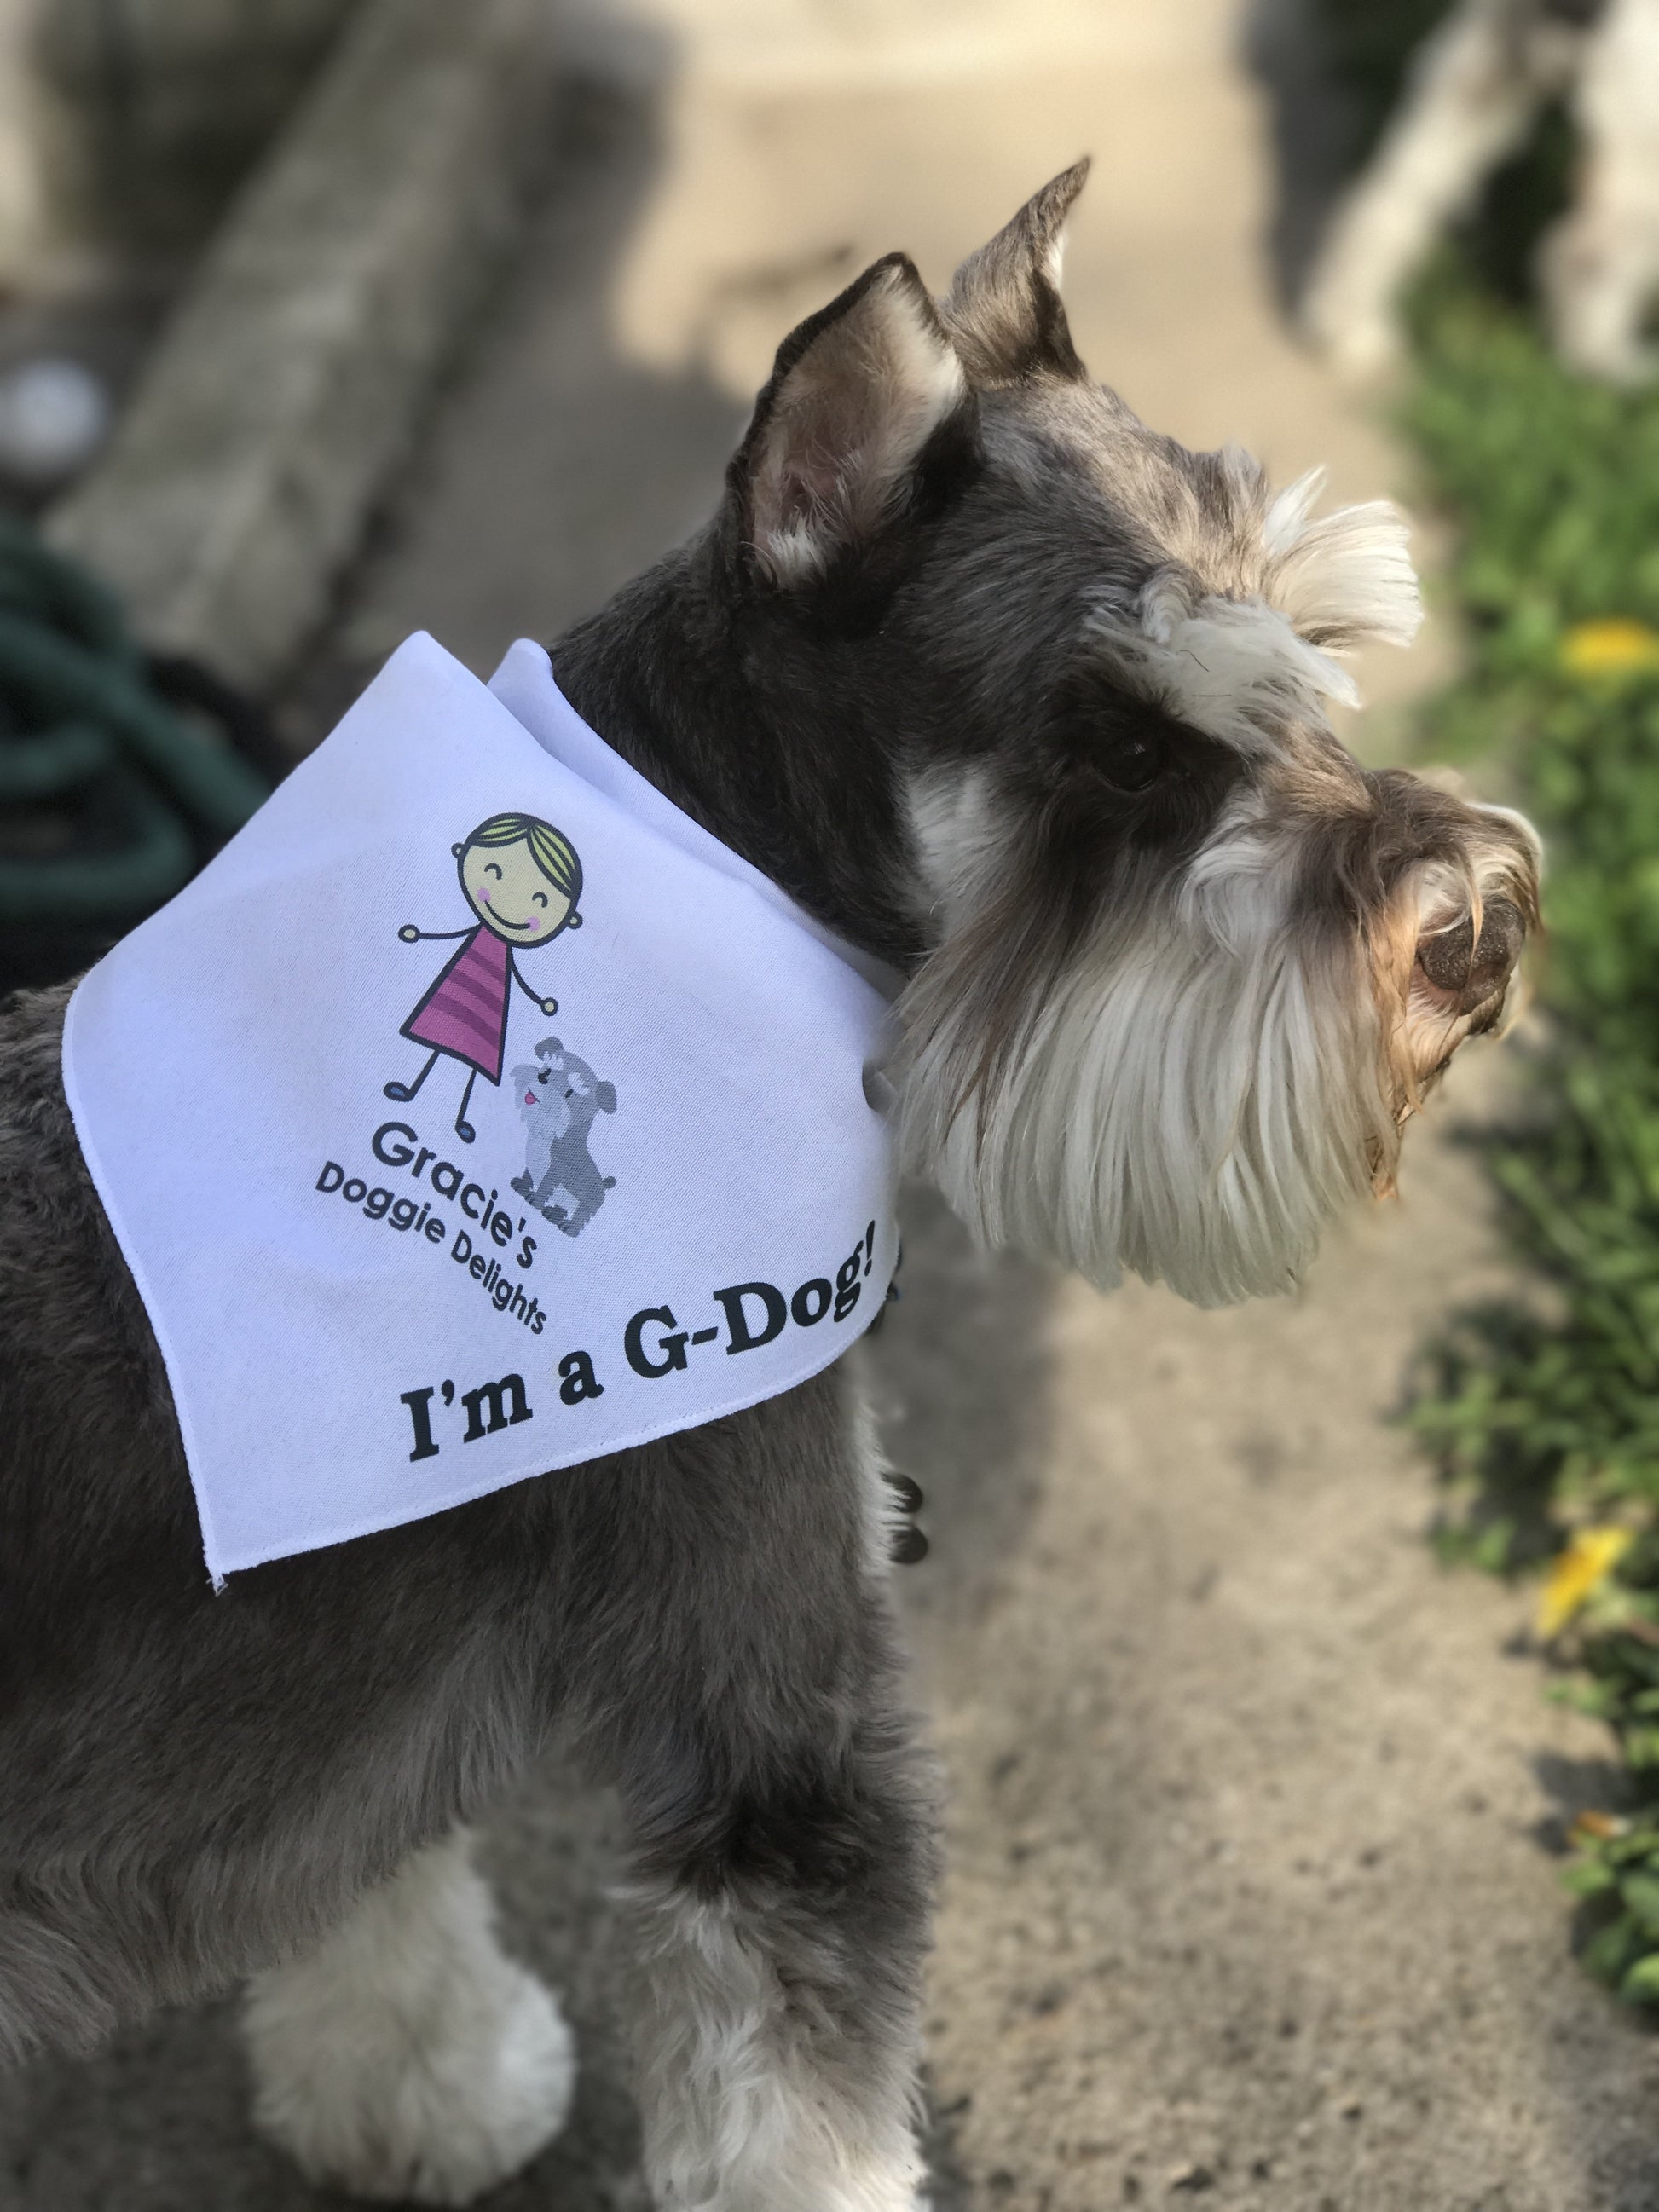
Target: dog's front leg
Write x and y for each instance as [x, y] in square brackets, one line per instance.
[406, 2056]
[780, 1924]
[782, 1814]
[783, 1864]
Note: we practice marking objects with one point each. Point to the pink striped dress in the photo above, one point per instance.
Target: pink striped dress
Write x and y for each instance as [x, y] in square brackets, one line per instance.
[464, 1012]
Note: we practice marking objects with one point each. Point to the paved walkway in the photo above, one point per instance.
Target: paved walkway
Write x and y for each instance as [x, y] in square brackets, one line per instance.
[1252, 1896]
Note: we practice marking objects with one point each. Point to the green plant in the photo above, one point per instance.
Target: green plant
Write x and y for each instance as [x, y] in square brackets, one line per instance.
[1544, 1412]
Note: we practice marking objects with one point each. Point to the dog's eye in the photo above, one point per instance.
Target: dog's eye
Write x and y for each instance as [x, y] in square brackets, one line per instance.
[1133, 763]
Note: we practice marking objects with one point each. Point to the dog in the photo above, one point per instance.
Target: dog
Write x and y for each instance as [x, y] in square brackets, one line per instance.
[1027, 702]
[558, 1099]
[1476, 89]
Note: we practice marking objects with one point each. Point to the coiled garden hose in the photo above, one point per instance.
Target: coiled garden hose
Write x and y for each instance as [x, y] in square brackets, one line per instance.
[120, 773]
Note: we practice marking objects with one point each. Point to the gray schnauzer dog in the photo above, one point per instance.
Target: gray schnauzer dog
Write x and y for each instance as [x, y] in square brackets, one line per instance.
[1028, 701]
[558, 1099]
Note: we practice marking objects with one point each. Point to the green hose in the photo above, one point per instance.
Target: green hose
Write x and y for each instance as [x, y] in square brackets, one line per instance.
[143, 868]
[57, 760]
[109, 799]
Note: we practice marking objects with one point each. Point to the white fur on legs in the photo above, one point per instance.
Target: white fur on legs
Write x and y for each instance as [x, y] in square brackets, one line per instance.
[407, 2056]
[744, 2107]
[1600, 263]
[1471, 95]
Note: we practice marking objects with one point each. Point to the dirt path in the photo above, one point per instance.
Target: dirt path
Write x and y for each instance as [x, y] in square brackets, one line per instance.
[1252, 1896]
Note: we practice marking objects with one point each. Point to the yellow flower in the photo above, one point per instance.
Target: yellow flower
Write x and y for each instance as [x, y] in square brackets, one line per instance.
[1591, 1827]
[1582, 1568]
[1615, 646]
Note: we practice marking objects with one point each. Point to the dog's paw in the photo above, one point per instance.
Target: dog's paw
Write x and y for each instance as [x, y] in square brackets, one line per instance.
[410, 2060]
[436, 2118]
[523, 1185]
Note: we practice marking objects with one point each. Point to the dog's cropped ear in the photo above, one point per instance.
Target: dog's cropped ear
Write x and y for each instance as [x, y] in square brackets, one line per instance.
[866, 416]
[1004, 308]
[605, 1095]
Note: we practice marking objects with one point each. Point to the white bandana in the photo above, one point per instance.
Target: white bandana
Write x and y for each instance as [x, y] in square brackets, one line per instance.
[475, 1113]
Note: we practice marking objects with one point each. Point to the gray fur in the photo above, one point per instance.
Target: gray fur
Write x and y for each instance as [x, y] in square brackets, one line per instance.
[193, 1786]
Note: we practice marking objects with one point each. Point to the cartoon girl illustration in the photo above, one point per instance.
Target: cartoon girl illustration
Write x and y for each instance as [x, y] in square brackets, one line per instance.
[522, 878]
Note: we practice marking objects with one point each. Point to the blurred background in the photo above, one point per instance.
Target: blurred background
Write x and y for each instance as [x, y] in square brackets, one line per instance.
[1275, 1875]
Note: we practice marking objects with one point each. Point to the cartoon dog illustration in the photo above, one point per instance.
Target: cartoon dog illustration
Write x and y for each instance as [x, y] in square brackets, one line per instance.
[558, 1099]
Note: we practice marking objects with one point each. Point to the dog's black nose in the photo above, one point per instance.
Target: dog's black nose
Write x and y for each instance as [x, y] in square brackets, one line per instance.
[1469, 973]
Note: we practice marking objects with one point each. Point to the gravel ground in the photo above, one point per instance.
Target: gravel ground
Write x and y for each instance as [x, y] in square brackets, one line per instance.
[1255, 1812]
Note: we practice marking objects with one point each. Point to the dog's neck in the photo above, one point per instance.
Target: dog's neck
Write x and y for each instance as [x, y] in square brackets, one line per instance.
[760, 735]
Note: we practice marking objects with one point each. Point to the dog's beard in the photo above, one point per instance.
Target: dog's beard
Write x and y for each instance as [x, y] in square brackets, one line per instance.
[1187, 1092]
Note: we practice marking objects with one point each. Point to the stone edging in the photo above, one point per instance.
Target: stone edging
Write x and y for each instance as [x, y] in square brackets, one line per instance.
[285, 388]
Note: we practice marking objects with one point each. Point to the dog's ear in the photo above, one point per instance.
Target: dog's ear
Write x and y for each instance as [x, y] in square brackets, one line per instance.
[1004, 308]
[867, 414]
[548, 1046]
[605, 1095]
